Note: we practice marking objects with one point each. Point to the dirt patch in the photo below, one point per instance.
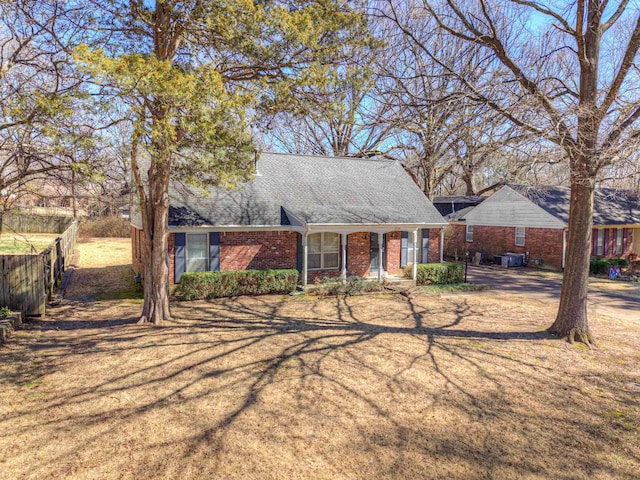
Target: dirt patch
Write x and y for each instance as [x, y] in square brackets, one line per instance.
[455, 386]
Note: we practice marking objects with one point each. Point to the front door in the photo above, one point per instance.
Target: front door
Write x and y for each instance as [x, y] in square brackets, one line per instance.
[374, 253]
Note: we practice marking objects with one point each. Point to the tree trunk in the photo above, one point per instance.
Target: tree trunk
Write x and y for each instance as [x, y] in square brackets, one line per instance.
[571, 320]
[156, 230]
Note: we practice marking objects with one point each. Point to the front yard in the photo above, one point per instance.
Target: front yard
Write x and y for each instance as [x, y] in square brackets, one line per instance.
[453, 386]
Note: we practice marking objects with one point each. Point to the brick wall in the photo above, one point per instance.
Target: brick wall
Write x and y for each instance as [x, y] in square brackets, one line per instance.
[358, 254]
[434, 245]
[257, 250]
[394, 247]
[271, 249]
[544, 243]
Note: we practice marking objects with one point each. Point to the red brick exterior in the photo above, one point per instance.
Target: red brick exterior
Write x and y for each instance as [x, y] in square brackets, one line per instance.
[544, 243]
[434, 245]
[260, 250]
[257, 250]
[358, 254]
[394, 247]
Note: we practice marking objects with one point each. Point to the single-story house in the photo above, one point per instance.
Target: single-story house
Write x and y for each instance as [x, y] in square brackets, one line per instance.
[523, 219]
[325, 216]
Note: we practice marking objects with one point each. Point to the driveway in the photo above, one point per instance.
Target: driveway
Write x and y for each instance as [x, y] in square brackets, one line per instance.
[546, 286]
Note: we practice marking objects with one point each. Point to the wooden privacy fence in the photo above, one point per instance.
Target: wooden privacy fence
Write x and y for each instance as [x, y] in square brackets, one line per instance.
[36, 223]
[28, 281]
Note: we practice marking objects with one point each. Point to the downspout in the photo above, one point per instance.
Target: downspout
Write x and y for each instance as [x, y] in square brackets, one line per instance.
[442, 245]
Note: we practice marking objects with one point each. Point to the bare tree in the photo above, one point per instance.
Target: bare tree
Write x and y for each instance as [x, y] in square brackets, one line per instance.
[569, 77]
[38, 94]
[444, 136]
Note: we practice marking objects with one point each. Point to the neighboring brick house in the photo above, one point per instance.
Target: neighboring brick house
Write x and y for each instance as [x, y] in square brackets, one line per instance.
[523, 219]
[325, 216]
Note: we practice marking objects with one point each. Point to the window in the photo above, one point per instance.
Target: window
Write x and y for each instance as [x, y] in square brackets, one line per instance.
[600, 242]
[469, 233]
[197, 252]
[519, 236]
[619, 235]
[323, 250]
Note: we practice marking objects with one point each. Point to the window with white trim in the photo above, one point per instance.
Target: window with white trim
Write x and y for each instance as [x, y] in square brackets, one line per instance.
[323, 251]
[600, 242]
[197, 252]
[619, 235]
[519, 236]
[469, 233]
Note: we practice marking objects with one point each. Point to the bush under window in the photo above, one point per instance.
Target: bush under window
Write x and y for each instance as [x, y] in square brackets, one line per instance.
[232, 283]
[437, 273]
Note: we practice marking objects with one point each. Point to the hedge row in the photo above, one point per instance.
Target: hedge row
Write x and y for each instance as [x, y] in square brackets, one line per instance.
[232, 283]
[599, 266]
[437, 273]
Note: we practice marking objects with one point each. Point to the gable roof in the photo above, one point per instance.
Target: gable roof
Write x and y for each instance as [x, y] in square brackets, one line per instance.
[309, 190]
[509, 208]
[611, 206]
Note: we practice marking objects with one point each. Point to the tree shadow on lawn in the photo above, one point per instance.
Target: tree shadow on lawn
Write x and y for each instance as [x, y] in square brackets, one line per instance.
[385, 388]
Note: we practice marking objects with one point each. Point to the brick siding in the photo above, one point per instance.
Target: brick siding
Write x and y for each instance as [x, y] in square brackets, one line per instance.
[434, 245]
[257, 250]
[272, 249]
[544, 243]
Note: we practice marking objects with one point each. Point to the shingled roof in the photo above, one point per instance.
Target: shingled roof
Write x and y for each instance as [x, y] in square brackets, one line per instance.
[310, 190]
[611, 206]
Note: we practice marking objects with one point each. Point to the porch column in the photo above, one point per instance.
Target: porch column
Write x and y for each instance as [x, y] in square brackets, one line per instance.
[442, 245]
[415, 255]
[380, 244]
[304, 259]
[344, 256]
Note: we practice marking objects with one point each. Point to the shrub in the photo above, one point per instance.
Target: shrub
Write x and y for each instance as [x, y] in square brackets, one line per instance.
[354, 285]
[232, 283]
[600, 266]
[5, 312]
[437, 273]
[109, 226]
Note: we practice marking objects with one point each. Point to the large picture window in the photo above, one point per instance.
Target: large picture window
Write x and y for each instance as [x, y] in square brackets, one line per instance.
[197, 252]
[323, 251]
[519, 236]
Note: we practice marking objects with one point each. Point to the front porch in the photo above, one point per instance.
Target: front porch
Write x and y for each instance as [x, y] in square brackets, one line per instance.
[375, 253]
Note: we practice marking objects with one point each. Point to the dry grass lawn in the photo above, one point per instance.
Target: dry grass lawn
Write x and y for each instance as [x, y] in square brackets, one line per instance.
[451, 387]
[20, 243]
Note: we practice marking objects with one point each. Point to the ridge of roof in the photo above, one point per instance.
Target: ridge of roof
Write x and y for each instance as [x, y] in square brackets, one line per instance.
[329, 157]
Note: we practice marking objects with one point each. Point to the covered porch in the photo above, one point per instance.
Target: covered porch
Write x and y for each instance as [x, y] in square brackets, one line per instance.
[369, 251]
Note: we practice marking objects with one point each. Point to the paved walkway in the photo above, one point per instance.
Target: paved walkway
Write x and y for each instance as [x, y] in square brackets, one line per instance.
[546, 288]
